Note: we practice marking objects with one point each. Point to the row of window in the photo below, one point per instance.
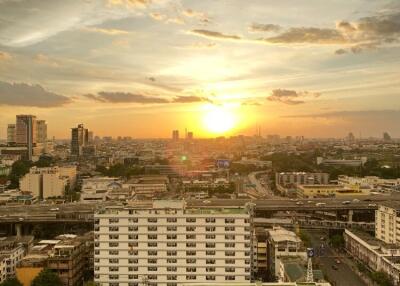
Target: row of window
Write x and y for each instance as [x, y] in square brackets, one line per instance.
[172, 244]
[172, 269]
[169, 277]
[170, 253]
[175, 236]
[169, 261]
[172, 220]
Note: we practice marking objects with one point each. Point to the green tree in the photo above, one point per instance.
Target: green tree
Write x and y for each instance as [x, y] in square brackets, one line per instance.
[337, 240]
[89, 283]
[18, 170]
[47, 278]
[381, 278]
[11, 282]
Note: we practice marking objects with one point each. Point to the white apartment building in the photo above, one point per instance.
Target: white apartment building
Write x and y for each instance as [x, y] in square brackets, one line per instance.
[369, 182]
[387, 222]
[167, 243]
[46, 182]
[13, 256]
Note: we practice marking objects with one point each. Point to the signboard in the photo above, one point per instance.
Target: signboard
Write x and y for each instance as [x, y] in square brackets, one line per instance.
[222, 163]
[310, 252]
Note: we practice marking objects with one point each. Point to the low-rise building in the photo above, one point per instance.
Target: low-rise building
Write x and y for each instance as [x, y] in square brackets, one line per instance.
[286, 182]
[318, 191]
[387, 222]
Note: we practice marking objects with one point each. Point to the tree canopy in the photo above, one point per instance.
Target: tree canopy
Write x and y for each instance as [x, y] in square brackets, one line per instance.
[11, 282]
[47, 278]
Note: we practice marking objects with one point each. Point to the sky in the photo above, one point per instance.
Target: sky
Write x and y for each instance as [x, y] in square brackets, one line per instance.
[142, 68]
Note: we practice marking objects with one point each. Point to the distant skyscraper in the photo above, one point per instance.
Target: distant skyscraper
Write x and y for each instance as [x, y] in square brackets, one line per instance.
[386, 136]
[26, 132]
[189, 135]
[351, 137]
[175, 135]
[41, 128]
[11, 134]
[90, 137]
[79, 139]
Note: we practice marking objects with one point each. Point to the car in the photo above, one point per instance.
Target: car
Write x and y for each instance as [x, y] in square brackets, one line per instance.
[334, 267]
[54, 209]
[320, 204]
[299, 203]
[346, 202]
[309, 202]
[356, 201]
[372, 205]
[337, 261]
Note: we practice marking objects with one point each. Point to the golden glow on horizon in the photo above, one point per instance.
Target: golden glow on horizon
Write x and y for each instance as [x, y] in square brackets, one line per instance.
[219, 119]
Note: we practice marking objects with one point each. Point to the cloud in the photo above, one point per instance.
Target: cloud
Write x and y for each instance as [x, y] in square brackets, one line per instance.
[215, 35]
[129, 3]
[111, 32]
[308, 35]
[291, 97]
[189, 99]
[5, 56]
[125, 97]
[382, 114]
[196, 14]
[158, 16]
[23, 94]
[256, 27]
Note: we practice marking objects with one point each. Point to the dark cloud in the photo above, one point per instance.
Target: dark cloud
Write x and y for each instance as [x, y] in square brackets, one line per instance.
[22, 94]
[215, 35]
[308, 35]
[382, 114]
[153, 79]
[291, 97]
[189, 99]
[256, 27]
[125, 97]
[340, 52]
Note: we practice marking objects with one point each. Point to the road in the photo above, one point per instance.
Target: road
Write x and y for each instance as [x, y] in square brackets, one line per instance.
[267, 193]
[344, 275]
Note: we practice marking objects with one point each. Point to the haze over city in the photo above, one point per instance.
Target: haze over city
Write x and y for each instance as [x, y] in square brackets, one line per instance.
[143, 68]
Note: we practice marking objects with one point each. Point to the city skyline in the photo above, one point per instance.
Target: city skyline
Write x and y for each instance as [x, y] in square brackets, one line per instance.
[144, 68]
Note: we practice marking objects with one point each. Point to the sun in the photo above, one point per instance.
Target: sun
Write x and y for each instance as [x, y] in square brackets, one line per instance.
[219, 120]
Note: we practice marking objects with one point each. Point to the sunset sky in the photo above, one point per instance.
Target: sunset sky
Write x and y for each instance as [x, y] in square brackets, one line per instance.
[142, 68]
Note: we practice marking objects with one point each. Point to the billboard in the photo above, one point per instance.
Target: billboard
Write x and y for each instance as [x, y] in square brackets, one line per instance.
[222, 163]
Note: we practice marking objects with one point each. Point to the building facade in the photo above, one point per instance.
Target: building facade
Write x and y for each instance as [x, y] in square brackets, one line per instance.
[41, 129]
[166, 243]
[11, 134]
[387, 222]
[79, 139]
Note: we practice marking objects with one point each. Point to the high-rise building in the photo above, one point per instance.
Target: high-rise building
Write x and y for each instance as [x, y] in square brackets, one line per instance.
[79, 139]
[168, 243]
[175, 135]
[26, 132]
[11, 134]
[387, 222]
[189, 135]
[90, 137]
[386, 137]
[41, 128]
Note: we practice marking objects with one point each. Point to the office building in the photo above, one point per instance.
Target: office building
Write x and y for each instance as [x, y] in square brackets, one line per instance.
[387, 221]
[41, 129]
[43, 183]
[79, 139]
[26, 133]
[175, 135]
[189, 135]
[168, 243]
[11, 134]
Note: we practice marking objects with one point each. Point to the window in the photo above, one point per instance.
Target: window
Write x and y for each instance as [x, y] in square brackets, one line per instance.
[171, 236]
[190, 236]
[190, 244]
[113, 228]
[210, 228]
[210, 245]
[210, 277]
[171, 277]
[229, 244]
[152, 268]
[152, 252]
[133, 228]
[133, 236]
[171, 269]
[113, 268]
[171, 219]
[134, 220]
[152, 244]
[113, 252]
[152, 261]
[210, 252]
[229, 261]
[171, 253]
[152, 236]
[113, 277]
[152, 228]
[210, 269]
[171, 260]
[132, 269]
[133, 252]
[229, 269]
[190, 261]
[171, 228]
[113, 236]
[229, 278]
[190, 228]
[190, 252]
[190, 219]
[152, 277]
[190, 269]
[113, 220]
[113, 260]
[210, 236]
[132, 261]
[210, 220]
[210, 261]
[152, 219]
[133, 244]
[171, 244]
[229, 236]
[190, 277]
[229, 228]
[113, 244]
[229, 253]
[229, 220]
